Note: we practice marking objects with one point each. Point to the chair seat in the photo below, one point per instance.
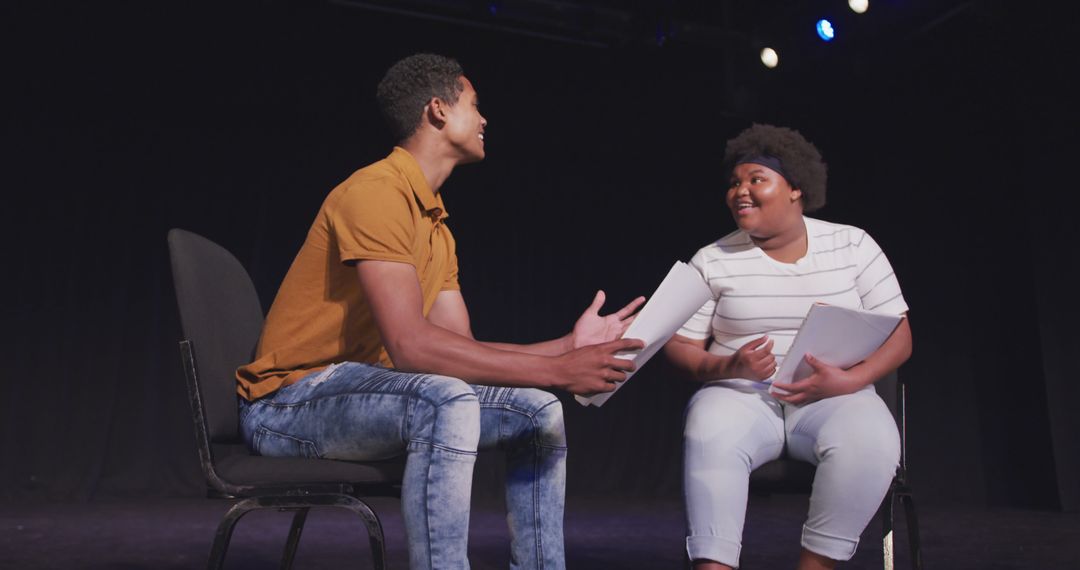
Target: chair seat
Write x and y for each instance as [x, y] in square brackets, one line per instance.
[258, 471]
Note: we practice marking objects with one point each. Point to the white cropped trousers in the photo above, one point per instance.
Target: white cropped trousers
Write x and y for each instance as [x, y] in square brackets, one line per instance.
[732, 429]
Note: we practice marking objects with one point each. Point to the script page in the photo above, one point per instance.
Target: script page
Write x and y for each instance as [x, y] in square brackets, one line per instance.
[677, 298]
[837, 336]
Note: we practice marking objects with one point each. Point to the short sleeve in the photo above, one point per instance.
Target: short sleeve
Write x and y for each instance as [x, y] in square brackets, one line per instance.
[699, 326]
[373, 219]
[876, 281]
[451, 282]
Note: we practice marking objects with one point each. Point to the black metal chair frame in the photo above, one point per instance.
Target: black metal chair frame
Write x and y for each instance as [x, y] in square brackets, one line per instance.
[900, 489]
[256, 492]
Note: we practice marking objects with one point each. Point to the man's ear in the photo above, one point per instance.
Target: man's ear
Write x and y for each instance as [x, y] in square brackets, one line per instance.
[795, 194]
[436, 112]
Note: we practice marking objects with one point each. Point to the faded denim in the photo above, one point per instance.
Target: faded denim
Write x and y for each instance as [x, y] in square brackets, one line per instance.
[356, 411]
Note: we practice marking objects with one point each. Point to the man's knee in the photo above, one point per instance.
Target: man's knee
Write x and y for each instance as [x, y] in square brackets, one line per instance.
[442, 390]
[548, 421]
[539, 417]
[447, 413]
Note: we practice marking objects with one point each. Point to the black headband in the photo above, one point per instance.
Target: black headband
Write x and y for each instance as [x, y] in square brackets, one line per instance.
[771, 162]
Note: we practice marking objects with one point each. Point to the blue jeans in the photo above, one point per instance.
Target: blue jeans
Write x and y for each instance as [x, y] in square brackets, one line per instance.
[356, 411]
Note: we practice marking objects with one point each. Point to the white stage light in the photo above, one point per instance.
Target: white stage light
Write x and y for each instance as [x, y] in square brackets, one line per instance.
[769, 57]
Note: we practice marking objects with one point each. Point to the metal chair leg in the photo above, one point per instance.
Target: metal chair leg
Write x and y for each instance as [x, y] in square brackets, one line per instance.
[913, 530]
[371, 521]
[225, 530]
[887, 508]
[374, 529]
[294, 538]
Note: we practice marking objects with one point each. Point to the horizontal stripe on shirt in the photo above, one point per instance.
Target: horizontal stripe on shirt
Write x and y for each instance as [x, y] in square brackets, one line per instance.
[844, 265]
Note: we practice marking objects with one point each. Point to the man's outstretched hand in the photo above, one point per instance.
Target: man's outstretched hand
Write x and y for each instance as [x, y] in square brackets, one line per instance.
[596, 368]
[591, 328]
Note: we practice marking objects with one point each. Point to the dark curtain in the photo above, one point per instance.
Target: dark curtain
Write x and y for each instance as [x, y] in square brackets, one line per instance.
[1050, 115]
[234, 119]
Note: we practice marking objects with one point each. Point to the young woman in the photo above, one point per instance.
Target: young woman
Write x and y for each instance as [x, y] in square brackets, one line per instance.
[764, 277]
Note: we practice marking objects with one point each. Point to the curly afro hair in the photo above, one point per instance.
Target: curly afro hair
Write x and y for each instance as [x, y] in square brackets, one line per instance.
[802, 162]
[410, 84]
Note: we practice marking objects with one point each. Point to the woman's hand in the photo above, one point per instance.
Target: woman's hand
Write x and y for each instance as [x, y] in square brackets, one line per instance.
[753, 361]
[826, 381]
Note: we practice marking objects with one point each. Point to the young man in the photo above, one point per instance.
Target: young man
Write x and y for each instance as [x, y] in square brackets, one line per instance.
[367, 351]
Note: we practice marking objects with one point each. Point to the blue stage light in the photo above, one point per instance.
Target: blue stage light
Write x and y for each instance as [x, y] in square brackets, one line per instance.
[825, 29]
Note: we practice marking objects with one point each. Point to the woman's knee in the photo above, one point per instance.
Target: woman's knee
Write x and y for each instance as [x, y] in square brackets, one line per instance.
[718, 414]
[722, 427]
[867, 436]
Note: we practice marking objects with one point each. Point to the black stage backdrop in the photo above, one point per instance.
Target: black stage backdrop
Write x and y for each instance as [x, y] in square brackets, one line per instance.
[949, 138]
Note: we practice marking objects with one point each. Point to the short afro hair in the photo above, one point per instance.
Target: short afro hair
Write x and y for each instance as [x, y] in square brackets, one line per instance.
[803, 165]
[410, 84]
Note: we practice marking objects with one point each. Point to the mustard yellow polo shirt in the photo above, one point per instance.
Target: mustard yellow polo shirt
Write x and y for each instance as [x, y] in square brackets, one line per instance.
[385, 211]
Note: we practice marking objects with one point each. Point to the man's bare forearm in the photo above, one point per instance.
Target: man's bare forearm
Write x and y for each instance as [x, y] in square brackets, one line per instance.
[553, 347]
[435, 350]
[446, 346]
[586, 370]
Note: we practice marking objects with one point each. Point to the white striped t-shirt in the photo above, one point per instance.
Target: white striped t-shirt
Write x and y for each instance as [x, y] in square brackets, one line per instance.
[755, 295]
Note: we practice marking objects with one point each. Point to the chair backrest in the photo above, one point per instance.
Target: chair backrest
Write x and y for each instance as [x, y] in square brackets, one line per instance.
[221, 315]
[887, 388]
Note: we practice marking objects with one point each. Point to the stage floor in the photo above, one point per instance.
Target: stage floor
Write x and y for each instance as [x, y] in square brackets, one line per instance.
[600, 534]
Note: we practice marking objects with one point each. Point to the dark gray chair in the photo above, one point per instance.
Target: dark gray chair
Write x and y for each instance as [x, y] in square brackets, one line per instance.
[790, 475]
[221, 317]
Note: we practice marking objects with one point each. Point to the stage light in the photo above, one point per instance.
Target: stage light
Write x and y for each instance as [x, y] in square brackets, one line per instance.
[858, 6]
[769, 57]
[825, 30]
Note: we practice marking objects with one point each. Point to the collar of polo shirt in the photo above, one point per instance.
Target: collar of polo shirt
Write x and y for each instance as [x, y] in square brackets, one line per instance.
[431, 203]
